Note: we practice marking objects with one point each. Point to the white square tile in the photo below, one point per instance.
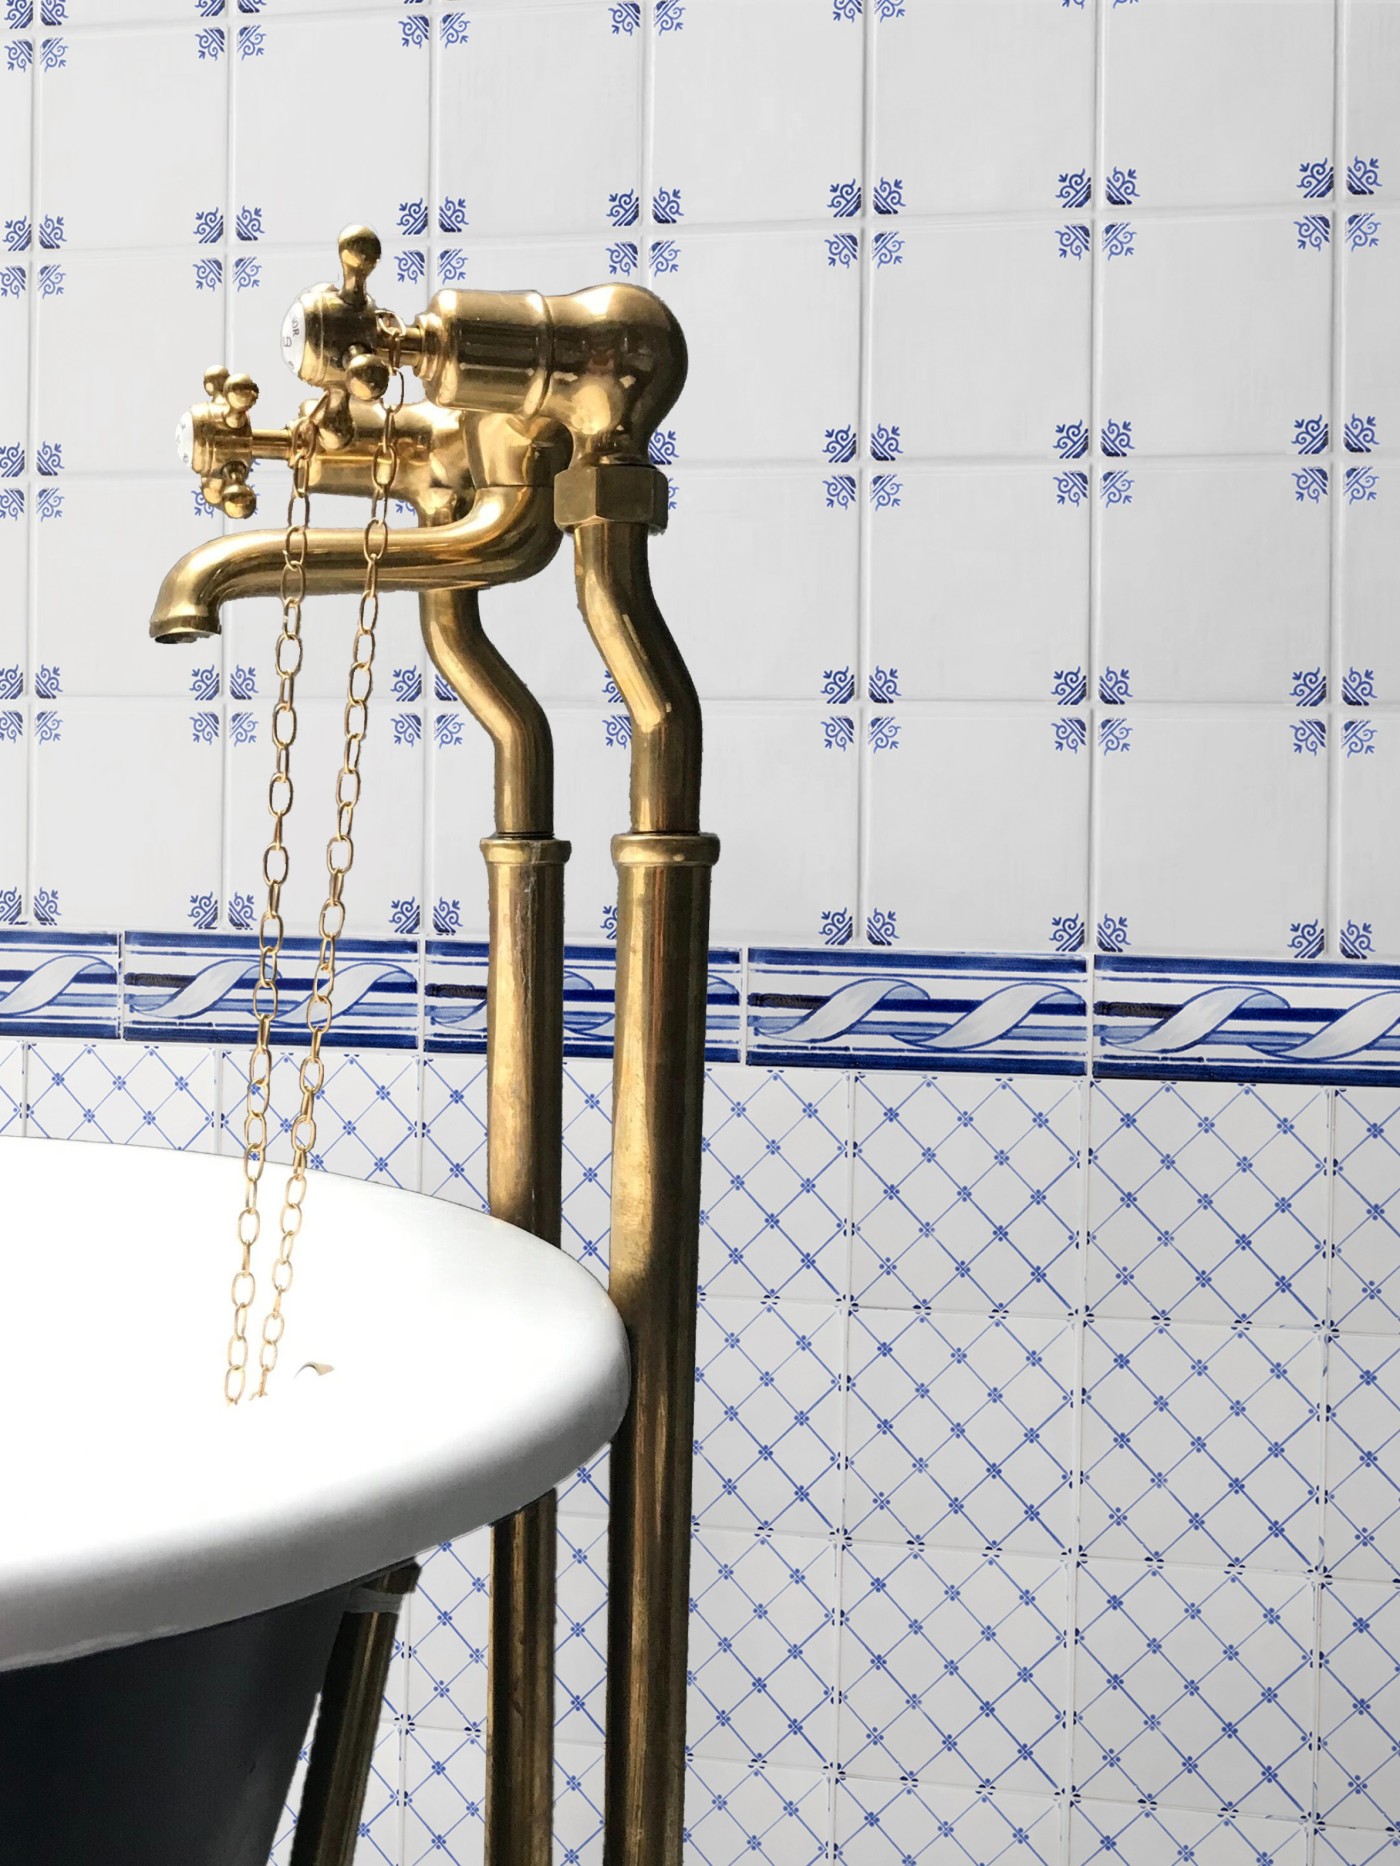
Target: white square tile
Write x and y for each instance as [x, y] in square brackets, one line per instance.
[554, 179]
[16, 897]
[460, 781]
[1350, 1846]
[1366, 1211]
[1216, 332]
[1254, 82]
[979, 587]
[1361, 1534]
[881, 1823]
[1104, 1831]
[967, 1193]
[757, 110]
[1358, 1766]
[762, 1649]
[135, 1094]
[1195, 1689]
[12, 1073]
[1370, 570]
[1369, 911]
[1021, 780]
[768, 1415]
[133, 194]
[1242, 613]
[367, 1113]
[954, 1668]
[775, 1183]
[1172, 791]
[959, 1430]
[735, 1813]
[1009, 318]
[1370, 384]
[1202, 1444]
[1208, 1202]
[985, 108]
[14, 573]
[1371, 46]
[16, 266]
[16, 139]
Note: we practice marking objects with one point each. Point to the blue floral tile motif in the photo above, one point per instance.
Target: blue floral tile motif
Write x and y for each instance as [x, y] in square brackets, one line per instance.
[208, 226]
[1310, 485]
[623, 259]
[1356, 940]
[838, 686]
[1116, 439]
[625, 16]
[1310, 736]
[887, 196]
[11, 726]
[1115, 686]
[11, 682]
[889, 9]
[204, 912]
[1363, 232]
[1315, 179]
[617, 730]
[623, 208]
[885, 443]
[11, 902]
[1073, 241]
[662, 449]
[1116, 487]
[19, 54]
[1120, 187]
[240, 912]
[204, 728]
[1067, 933]
[844, 199]
[46, 910]
[447, 917]
[1071, 439]
[407, 728]
[882, 926]
[49, 503]
[1361, 483]
[838, 732]
[1309, 687]
[665, 258]
[839, 445]
[845, 10]
[1071, 488]
[252, 41]
[1358, 686]
[1306, 938]
[452, 214]
[412, 218]
[842, 249]
[11, 459]
[447, 731]
[840, 491]
[453, 28]
[415, 30]
[1364, 175]
[1070, 686]
[884, 733]
[11, 502]
[248, 224]
[451, 265]
[1111, 934]
[1359, 435]
[14, 281]
[1071, 734]
[837, 926]
[1074, 188]
[670, 15]
[407, 684]
[1118, 239]
[52, 281]
[882, 685]
[243, 682]
[204, 682]
[666, 206]
[208, 274]
[886, 489]
[48, 680]
[442, 690]
[887, 249]
[404, 915]
[1115, 735]
[1311, 434]
[1314, 232]
[608, 921]
[1358, 738]
[53, 54]
[247, 272]
[18, 234]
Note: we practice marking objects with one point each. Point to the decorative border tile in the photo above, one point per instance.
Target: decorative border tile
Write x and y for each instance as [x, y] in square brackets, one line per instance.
[197, 988]
[1247, 1020]
[882, 1010]
[59, 984]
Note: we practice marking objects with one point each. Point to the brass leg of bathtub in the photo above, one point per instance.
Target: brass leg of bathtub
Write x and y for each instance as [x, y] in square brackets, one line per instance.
[347, 1724]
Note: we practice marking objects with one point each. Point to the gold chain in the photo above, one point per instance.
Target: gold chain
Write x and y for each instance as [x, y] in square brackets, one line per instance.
[340, 855]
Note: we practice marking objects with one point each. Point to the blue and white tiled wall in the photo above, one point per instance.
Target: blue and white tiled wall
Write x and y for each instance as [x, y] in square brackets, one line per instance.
[1032, 546]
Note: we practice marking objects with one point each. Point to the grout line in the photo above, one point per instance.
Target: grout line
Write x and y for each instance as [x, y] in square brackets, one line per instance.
[1336, 470]
[864, 655]
[31, 517]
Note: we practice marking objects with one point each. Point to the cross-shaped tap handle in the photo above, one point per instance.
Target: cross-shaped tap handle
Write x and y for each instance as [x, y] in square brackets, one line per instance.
[359, 254]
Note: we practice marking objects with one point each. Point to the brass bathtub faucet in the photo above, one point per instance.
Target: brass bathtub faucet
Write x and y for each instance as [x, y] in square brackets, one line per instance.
[538, 418]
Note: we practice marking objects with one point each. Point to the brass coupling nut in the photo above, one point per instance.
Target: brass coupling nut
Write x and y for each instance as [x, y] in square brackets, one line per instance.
[634, 495]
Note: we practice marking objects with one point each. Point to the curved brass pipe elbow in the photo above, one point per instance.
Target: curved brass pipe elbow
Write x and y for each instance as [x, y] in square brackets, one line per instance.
[508, 533]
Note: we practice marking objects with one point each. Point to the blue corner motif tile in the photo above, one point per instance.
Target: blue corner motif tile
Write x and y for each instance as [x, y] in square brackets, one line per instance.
[198, 988]
[883, 1010]
[59, 984]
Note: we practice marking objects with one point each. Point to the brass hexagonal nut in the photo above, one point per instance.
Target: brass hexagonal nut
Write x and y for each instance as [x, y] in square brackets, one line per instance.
[631, 494]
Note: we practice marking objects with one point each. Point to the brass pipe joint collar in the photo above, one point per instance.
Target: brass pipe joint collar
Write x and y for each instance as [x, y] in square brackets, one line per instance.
[655, 848]
[525, 851]
[637, 495]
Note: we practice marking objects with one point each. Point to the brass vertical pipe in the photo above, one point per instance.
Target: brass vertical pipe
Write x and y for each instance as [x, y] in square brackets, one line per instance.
[663, 866]
[524, 1087]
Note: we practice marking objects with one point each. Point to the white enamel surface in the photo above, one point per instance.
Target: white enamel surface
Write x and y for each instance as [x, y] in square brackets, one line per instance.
[184, 438]
[141, 1505]
[294, 338]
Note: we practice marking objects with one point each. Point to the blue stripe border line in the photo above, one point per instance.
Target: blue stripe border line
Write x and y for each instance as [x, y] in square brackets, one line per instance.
[1194, 1019]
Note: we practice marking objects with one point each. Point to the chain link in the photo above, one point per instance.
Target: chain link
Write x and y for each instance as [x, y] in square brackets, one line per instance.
[340, 855]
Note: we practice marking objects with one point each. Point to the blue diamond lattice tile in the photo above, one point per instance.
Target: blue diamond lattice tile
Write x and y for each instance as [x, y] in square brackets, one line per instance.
[734, 1813]
[12, 1061]
[444, 1794]
[775, 1182]
[380, 1820]
[967, 1193]
[762, 1649]
[959, 1430]
[768, 1415]
[1356, 1846]
[954, 1667]
[1105, 1833]
[587, 1171]
[130, 1093]
[881, 1823]
[1366, 1212]
[1208, 1202]
[367, 1113]
[581, 1639]
[1201, 1444]
[454, 1129]
[445, 1685]
[1195, 1689]
[578, 1805]
[1361, 1528]
[1358, 1765]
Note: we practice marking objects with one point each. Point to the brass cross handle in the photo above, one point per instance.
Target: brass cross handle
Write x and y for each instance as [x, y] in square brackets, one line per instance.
[215, 438]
